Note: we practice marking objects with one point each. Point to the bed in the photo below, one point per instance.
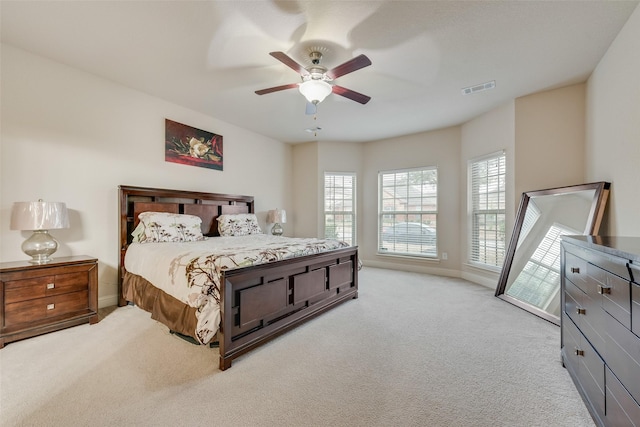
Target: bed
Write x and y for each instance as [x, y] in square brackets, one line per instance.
[256, 302]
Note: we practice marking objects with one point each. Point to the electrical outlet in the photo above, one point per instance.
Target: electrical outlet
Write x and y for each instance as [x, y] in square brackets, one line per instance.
[444, 255]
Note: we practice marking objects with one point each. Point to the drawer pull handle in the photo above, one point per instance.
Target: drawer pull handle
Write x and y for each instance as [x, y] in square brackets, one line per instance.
[51, 285]
[51, 306]
[582, 311]
[603, 290]
[575, 270]
[579, 352]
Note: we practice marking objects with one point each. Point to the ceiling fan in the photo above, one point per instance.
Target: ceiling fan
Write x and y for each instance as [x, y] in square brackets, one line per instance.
[316, 79]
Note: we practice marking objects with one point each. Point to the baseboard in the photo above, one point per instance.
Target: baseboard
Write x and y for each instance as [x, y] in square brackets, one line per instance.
[480, 280]
[107, 301]
[412, 268]
[488, 282]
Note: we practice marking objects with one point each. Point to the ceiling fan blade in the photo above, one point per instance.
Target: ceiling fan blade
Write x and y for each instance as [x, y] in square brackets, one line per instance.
[350, 66]
[311, 109]
[289, 62]
[351, 94]
[276, 88]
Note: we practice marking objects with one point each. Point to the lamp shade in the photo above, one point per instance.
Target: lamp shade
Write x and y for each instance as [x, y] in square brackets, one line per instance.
[277, 216]
[39, 215]
[315, 90]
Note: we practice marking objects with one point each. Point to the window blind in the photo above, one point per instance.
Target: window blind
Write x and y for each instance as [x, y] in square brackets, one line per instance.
[408, 211]
[340, 206]
[487, 190]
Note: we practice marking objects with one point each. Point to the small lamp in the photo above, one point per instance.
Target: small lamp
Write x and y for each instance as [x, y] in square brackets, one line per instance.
[39, 217]
[276, 217]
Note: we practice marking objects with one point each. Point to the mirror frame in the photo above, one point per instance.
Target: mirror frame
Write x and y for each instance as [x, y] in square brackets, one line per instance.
[594, 220]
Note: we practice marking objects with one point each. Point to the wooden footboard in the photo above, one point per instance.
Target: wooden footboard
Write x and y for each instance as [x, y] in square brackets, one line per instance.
[261, 302]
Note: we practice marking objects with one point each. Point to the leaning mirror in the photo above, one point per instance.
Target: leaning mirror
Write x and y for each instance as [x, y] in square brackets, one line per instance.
[530, 276]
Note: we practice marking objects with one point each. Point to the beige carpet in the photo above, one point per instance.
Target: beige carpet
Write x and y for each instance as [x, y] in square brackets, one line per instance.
[413, 350]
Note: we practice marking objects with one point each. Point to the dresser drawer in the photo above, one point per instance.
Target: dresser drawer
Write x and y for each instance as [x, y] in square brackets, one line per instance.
[585, 364]
[44, 286]
[634, 271]
[610, 263]
[623, 355]
[575, 270]
[622, 409]
[615, 292]
[586, 313]
[635, 308]
[573, 302]
[570, 343]
[44, 308]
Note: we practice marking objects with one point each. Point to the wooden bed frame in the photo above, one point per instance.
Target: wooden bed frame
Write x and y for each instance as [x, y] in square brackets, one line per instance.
[259, 302]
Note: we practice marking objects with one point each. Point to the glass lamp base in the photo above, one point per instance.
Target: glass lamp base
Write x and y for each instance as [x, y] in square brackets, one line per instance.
[40, 246]
[277, 230]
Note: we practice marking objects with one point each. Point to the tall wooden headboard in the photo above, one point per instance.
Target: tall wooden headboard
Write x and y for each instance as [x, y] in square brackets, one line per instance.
[208, 206]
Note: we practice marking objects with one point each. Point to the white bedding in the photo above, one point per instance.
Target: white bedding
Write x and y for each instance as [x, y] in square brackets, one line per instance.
[190, 271]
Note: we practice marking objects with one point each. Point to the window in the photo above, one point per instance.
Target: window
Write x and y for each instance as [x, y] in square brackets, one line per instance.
[340, 206]
[487, 210]
[408, 211]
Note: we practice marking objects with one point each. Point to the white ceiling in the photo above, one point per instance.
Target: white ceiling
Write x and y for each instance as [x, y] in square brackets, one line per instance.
[211, 56]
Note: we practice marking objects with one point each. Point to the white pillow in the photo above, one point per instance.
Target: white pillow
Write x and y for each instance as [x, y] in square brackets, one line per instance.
[167, 227]
[238, 225]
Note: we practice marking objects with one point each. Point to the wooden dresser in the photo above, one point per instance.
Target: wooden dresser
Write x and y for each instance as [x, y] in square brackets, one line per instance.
[600, 324]
[40, 298]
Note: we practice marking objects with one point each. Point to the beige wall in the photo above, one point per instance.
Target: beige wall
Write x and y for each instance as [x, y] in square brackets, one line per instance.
[310, 162]
[72, 137]
[486, 134]
[613, 128]
[439, 148]
[305, 218]
[550, 133]
[341, 157]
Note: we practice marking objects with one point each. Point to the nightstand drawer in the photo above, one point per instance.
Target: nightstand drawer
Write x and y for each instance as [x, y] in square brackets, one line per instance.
[45, 286]
[44, 308]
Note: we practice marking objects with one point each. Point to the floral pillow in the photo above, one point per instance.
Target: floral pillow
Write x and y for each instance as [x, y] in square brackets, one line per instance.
[167, 227]
[238, 225]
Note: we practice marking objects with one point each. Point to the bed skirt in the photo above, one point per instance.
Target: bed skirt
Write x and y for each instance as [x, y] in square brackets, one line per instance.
[176, 315]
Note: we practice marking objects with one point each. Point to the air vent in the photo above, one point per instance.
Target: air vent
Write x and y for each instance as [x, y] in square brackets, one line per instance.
[479, 88]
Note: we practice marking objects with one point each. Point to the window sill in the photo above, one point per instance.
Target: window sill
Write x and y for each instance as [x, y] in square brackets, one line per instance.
[409, 256]
[483, 267]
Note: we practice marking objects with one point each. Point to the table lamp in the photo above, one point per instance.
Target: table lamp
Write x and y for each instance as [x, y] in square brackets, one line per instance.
[39, 217]
[277, 217]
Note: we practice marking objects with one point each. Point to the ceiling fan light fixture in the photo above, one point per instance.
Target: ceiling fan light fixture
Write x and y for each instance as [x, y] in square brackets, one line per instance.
[315, 90]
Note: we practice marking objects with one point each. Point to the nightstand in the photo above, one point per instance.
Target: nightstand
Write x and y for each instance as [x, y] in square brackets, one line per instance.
[40, 298]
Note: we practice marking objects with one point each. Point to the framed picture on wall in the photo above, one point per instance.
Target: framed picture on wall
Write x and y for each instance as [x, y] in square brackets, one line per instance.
[191, 146]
